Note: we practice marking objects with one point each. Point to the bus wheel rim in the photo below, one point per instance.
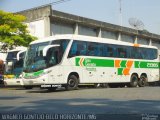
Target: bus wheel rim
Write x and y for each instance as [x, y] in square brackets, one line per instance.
[143, 81]
[134, 80]
[71, 83]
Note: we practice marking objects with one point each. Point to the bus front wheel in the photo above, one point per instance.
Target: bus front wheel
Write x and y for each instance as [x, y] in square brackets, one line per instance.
[72, 83]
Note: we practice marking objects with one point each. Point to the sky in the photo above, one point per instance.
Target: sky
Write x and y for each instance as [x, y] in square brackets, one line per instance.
[108, 11]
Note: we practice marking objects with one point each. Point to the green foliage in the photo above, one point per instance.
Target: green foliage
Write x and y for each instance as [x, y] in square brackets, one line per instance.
[13, 31]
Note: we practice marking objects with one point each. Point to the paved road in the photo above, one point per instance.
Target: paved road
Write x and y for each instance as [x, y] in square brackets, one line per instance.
[96, 101]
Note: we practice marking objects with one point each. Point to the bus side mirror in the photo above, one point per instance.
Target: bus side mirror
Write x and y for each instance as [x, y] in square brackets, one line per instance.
[19, 53]
[46, 48]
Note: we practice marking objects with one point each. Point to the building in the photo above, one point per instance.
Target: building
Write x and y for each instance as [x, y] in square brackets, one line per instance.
[43, 22]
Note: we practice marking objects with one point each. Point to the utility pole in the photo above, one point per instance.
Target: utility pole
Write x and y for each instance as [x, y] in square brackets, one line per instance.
[120, 12]
[120, 19]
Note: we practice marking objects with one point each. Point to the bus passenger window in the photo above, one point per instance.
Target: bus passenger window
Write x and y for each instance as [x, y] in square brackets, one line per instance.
[91, 49]
[105, 51]
[154, 54]
[81, 48]
[122, 53]
[137, 53]
[73, 50]
[98, 51]
[110, 52]
[78, 48]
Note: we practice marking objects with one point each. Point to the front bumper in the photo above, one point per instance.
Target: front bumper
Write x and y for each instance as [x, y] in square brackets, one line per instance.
[13, 82]
[37, 81]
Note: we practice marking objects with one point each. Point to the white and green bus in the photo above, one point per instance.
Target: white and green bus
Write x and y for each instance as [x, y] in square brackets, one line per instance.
[14, 66]
[71, 60]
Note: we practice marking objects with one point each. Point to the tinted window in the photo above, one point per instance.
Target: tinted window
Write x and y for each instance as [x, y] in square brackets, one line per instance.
[99, 49]
[144, 53]
[152, 54]
[12, 55]
[95, 49]
[63, 44]
[53, 57]
[110, 50]
[91, 49]
[78, 48]
[122, 52]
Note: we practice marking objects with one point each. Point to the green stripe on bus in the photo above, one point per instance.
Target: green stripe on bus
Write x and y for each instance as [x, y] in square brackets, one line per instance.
[102, 63]
[120, 71]
[38, 73]
[136, 64]
[77, 61]
[90, 62]
[123, 63]
[154, 65]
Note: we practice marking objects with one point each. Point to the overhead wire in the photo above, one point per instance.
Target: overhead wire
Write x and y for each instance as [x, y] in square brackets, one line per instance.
[58, 2]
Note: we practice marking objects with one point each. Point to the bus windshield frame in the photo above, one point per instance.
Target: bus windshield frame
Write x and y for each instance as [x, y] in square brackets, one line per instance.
[34, 59]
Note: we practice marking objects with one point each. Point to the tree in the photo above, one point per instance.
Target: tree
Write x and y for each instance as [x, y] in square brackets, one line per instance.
[13, 31]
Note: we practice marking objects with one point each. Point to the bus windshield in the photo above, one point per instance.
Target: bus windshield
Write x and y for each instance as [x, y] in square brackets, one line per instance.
[34, 60]
[14, 66]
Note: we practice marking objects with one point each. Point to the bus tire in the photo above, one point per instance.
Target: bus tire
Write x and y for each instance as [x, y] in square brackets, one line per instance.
[133, 81]
[143, 81]
[72, 83]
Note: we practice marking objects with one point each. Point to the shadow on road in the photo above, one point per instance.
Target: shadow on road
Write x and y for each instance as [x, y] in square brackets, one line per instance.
[56, 91]
[10, 97]
[79, 105]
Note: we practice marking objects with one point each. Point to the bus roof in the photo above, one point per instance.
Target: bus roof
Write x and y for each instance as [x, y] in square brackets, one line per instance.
[90, 39]
[18, 49]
